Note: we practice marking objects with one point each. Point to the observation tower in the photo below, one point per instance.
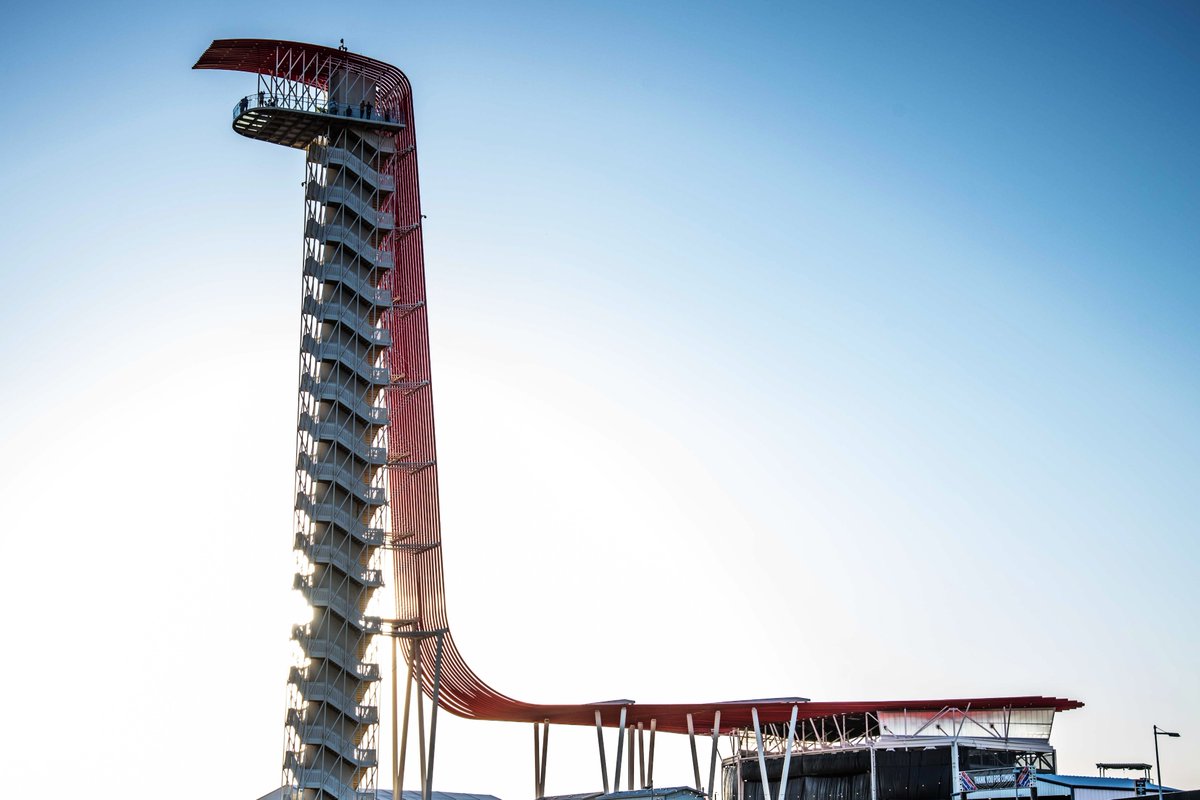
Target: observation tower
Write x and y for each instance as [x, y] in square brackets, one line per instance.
[364, 366]
[367, 502]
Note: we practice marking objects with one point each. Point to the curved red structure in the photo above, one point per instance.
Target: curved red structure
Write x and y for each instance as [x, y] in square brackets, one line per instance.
[415, 529]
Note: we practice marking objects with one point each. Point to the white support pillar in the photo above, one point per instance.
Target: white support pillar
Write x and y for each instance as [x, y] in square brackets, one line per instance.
[787, 754]
[434, 704]
[396, 777]
[545, 757]
[629, 767]
[620, 747]
[420, 714]
[650, 771]
[741, 788]
[695, 758]
[712, 759]
[537, 763]
[398, 787]
[762, 757]
[603, 760]
[874, 776]
[955, 781]
[641, 755]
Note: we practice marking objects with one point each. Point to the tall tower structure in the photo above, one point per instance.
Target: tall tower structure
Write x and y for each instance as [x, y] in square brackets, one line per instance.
[366, 474]
[363, 280]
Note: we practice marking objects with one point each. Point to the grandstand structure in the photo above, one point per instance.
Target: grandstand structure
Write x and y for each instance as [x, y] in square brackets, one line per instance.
[366, 509]
[970, 749]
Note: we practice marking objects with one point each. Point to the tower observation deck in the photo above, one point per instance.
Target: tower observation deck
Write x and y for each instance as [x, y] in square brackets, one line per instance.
[366, 463]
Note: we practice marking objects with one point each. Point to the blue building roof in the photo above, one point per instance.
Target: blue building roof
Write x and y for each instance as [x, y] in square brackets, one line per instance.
[1096, 782]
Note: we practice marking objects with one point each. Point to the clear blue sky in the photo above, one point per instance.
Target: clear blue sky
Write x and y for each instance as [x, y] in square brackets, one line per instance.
[841, 350]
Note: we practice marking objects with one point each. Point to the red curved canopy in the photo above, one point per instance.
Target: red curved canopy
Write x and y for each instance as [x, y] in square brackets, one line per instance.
[300, 62]
[672, 717]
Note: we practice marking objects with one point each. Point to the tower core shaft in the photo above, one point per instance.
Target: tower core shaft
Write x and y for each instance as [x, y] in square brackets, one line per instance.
[364, 368]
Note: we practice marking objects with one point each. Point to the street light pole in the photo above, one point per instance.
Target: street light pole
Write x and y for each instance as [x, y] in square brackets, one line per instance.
[1158, 767]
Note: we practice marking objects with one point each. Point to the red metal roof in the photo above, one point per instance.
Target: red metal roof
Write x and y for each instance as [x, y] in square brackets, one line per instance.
[672, 717]
[270, 57]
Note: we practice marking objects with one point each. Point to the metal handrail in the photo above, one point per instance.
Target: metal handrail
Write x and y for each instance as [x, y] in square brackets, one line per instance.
[331, 311]
[327, 155]
[330, 598]
[316, 105]
[324, 431]
[383, 141]
[338, 557]
[333, 391]
[343, 195]
[322, 692]
[346, 277]
[322, 648]
[326, 351]
[309, 778]
[312, 733]
[333, 473]
[327, 231]
[328, 512]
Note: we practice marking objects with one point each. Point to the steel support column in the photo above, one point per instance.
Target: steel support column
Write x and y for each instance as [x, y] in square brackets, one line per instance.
[874, 776]
[695, 759]
[603, 760]
[712, 759]
[620, 746]
[762, 758]
[787, 754]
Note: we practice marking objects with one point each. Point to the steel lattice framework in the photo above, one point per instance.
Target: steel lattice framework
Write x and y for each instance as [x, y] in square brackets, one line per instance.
[367, 460]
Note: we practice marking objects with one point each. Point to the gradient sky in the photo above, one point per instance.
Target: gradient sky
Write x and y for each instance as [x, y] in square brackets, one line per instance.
[842, 350]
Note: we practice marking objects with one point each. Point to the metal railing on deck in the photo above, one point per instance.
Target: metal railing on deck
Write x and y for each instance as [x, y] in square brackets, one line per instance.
[315, 105]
